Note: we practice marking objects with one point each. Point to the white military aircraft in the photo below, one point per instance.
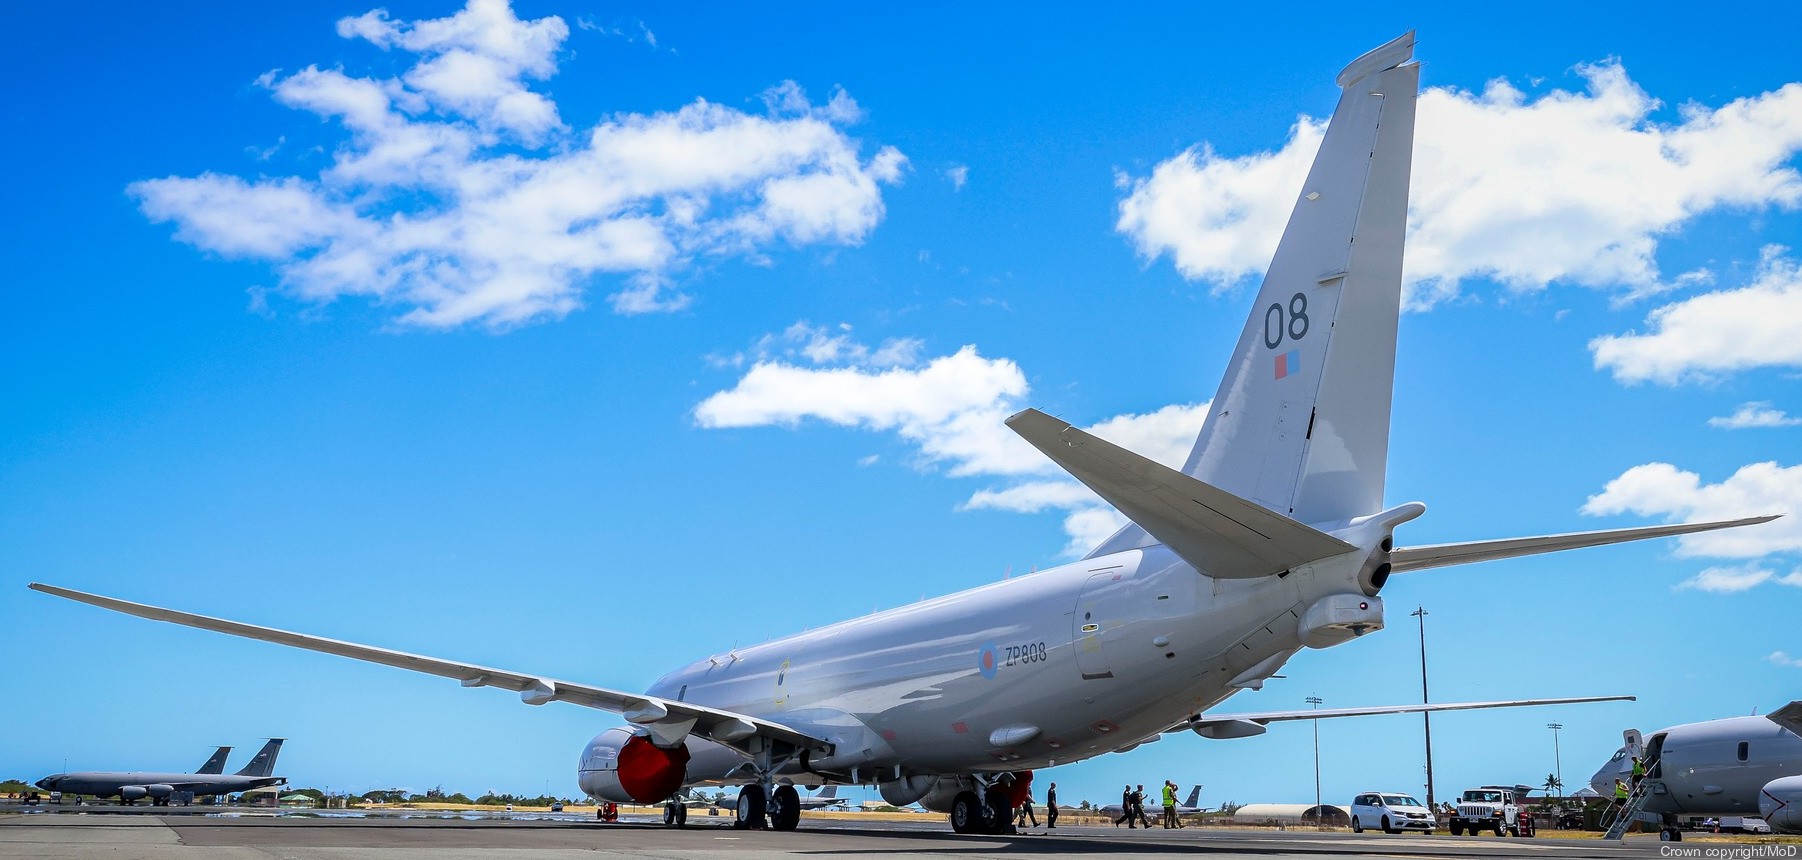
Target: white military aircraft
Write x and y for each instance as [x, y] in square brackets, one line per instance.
[1273, 537]
[1733, 766]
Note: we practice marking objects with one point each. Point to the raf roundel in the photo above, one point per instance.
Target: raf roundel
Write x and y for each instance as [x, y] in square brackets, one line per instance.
[987, 660]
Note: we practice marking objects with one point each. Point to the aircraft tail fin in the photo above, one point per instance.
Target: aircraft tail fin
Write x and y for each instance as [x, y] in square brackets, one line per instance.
[1300, 423]
[1194, 797]
[215, 764]
[1219, 533]
[263, 763]
[827, 792]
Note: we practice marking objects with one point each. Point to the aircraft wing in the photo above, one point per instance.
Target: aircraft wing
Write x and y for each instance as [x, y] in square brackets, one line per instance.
[666, 718]
[1264, 717]
[1422, 557]
[1789, 716]
[1219, 533]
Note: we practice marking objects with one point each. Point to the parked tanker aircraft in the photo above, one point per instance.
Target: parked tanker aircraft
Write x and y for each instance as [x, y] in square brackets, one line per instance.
[1732, 766]
[1273, 537]
[130, 786]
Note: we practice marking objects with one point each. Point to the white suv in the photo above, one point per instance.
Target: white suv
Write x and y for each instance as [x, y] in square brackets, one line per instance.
[1389, 812]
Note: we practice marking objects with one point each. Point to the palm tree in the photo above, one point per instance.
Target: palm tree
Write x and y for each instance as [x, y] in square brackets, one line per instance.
[1553, 783]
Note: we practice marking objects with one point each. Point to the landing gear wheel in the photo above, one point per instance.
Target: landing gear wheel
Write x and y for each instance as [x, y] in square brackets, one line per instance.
[966, 813]
[681, 815]
[1001, 812]
[1670, 834]
[751, 808]
[1357, 825]
[1386, 827]
[669, 814]
[785, 808]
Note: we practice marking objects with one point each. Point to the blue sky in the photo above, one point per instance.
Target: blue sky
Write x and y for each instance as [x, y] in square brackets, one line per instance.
[590, 346]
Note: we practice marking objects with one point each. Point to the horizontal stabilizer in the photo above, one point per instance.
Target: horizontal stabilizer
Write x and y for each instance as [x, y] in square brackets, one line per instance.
[1326, 713]
[649, 711]
[1789, 716]
[1219, 533]
[1422, 557]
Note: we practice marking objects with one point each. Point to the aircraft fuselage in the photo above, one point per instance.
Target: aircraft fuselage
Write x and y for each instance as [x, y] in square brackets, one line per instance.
[1050, 668]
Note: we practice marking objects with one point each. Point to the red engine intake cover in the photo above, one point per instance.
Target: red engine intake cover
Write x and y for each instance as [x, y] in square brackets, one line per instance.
[1021, 789]
[649, 772]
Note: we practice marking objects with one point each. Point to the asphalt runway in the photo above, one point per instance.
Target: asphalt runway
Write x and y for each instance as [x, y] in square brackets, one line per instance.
[202, 837]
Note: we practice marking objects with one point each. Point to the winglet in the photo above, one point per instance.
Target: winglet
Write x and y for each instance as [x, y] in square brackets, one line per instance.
[1219, 533]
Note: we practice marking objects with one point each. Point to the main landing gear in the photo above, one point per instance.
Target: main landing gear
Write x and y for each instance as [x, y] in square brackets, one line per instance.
[971, 814]
[778, 809]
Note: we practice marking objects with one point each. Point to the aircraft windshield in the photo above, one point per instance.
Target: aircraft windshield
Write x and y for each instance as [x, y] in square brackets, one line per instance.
[1482, 797]
[1399, 800]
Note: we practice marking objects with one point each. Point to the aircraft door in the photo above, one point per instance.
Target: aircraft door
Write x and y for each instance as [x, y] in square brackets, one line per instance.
[1098, 616]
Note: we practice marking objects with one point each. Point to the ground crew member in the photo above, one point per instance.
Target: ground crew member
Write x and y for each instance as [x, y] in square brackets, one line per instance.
[1126, 809]
[1051, 807]
[1170, 806]
[1139, 806]
[1639, 772]
[1620, 793]
[1026, 811]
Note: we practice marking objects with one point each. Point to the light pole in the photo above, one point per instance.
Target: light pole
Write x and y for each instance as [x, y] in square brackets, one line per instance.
[1426, 717]
[1557, 757]
[1319, 819]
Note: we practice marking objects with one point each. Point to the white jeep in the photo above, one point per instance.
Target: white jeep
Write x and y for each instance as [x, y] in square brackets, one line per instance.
[1496, 808]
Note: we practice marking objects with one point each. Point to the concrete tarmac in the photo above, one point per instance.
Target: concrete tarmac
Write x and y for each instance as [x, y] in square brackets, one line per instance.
[192, 837]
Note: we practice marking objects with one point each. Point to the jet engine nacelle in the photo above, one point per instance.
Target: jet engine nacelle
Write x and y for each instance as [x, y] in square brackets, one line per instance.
[907, 789]
[947, 789]
[133, 792]
[160, 791]
[1338, 618]
[627, 768]
[1780, 804]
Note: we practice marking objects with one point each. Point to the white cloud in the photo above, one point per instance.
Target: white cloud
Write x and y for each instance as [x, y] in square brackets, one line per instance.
[952, 409]
[826, 345]
[1727, 580]
[1757, 414]
[1716, 333]
[461, 196]
[1572, 187]
[1662, 490]
[958, 174]
[1782, 659]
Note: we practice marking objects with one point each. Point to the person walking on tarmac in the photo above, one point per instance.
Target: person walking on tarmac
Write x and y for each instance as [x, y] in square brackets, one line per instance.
[1126, 809]
[1139, 806]
[1170, 819]
[1051, 807]
[1025, 814]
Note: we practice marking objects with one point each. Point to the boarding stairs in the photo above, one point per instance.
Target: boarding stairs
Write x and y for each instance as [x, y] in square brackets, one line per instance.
[1636, 801]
